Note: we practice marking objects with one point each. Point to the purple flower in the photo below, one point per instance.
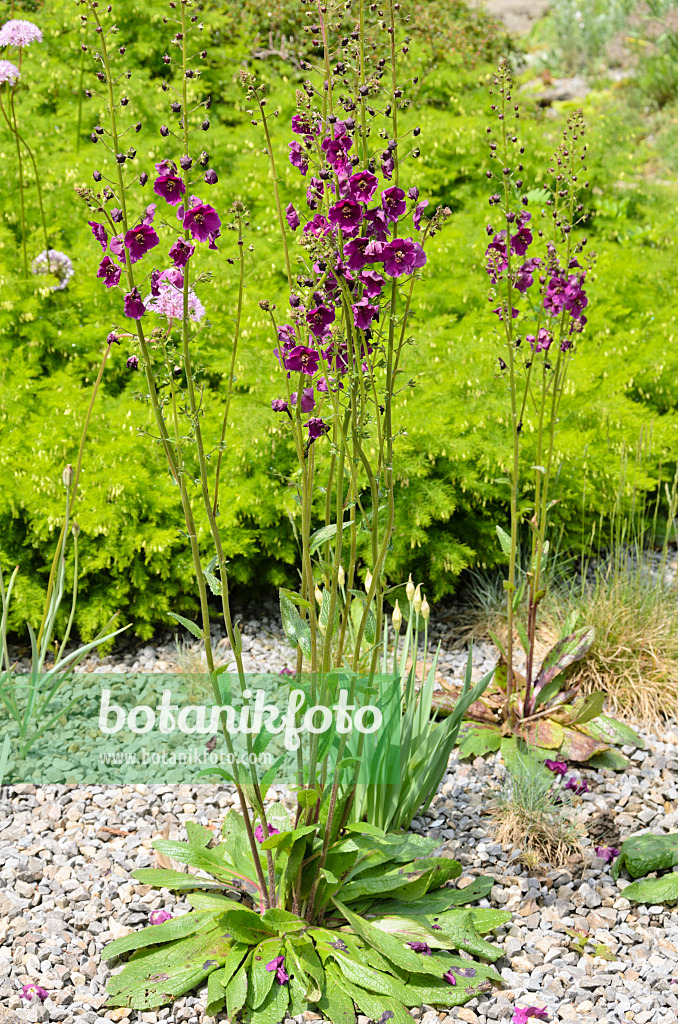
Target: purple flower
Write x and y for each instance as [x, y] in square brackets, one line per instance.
[298, 157]
[112, 338]
[149, 214]
[362, 186]
[372, 283]
[100, 233]
[31, 990]
[364, 313]
[287, 672]
[259, 836]
[449, 977]
[317, 226]
[117, 247]
[416, 216]
[607, 853]
[496, 256]
[279, 405]
[133, 364]
[335, 150]
[316, 428]
[181, 252]
[302, 359]
[575, 297]
[354, 253]
[393, 202]
[306, 124]
[346, 215]
[542, 343]
[577, 787]
[402, 256]
[377, 224]
[521, 1013]
[499, 310]
[523, 237]
[314, 193]
[319, 320]
[555, 298]
[292, 217]
[156, 916]
[420, 947]
[524, 277]
[109, 271]
[18, 32]
[276, 965]
[169, 187]
[413, 193]
[387, 164]
[203, 222]
[116, 215]
[307, 399]
[134, 307]
[337, 357]
[166, 167]
[9, 72]
[139, 240]
[557, 767]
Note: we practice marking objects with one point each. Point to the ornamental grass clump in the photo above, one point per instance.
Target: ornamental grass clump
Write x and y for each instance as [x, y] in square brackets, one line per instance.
[312, 910]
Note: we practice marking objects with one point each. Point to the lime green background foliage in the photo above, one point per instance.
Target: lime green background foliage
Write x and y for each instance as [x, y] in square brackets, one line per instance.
[453, 450]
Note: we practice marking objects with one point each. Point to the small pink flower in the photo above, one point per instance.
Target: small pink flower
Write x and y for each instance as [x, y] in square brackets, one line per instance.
[259, 836]
[607, 853]
[159, 916]
[521, 1013]
[276, 965]
[31, 990]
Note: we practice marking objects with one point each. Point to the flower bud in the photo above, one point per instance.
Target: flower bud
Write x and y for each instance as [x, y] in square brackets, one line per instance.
[75, 530]
[211, 177]
[409, 589]
[96, 175]
[318, 594]
[425, 609]
[143, 178]
[416, 600]
[397, 617]
[67, 476]
[133, 363]
[164, 131]
[341, 576]
[368, 581]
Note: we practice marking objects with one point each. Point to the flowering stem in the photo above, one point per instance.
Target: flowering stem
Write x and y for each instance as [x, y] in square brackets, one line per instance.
[13, 128]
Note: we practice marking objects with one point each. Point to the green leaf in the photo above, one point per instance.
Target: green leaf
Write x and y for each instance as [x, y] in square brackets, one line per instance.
[187, 624]
[478, 740]
[199, 836]
[324, 534]
[165, 878]
[586, 708]
[335, 1004]
[504, 540]
[282, 921]
[236, 993]
[564, 653]
[653, 890]
[377, 1008]
[212, 582]
[611, 731]
[297, 630]
[177, 928]
[216, 994]
[642, 854]
[234, 959]
[274, 1008]
[391, 947]
[283, 838]
[261, 980]
[611, 759]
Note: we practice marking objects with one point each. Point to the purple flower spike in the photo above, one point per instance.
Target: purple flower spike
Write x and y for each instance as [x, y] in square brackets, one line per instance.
[346, 215]
[100, 233]
[203, 222]
[281, 975]
[362, 186]
[307, 399]
[170, 188]
[139, 240]
[259, 836]
[109, 272]
[156, 916]
[364, 313]
[298, 157]
[302, 359]
[521, 1014]
[402, 256]
[134, 307]
[420, 947]
[31, 991]
[607, 853]
[292, 217]
[416, 216]
[557, 767]
[319, 320]
[181, 252]
[393, 202]
[316, 428]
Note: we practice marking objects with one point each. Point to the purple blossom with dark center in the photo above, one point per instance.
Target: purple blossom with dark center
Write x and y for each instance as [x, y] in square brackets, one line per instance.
[156, 916]
[100, 233]
[31, 991]
[139, 241]
[170, 187]
[314, 192]
[109, 272]
[393, 202]
[418, 211]
[325, 386]
[337, 356]
[372, 283]
[306, 124]
[259, 836]
[420, 947]
[335, 150]
[287, 339]
[542, 343]
[316, 428]
[377, 225]
[292, 217]
[112, 338]
[319, 320]
[362, 186]
[279, 405]
[317, 226]
[364, 313]
[575, 297]
[302, 359]
[555, 298]
[525, 276]
[203, 223]
[402, 256]
[577, 787]
[346, 215]
[521, 1014]
[298, 157]
[181, 252]
[307, 399]
[117, 247]
[354, 253]
[281, 975]
[606, 853]
[134, 307]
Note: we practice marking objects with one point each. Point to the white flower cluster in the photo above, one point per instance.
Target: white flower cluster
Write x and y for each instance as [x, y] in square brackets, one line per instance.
[51, 261]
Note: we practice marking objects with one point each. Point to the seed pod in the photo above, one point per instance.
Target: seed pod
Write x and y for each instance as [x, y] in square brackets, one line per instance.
[67, 476]
[397, 618]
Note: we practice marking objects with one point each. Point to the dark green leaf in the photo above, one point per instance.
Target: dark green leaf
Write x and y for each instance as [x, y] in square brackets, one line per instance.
[187, 624]
[642, 854]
